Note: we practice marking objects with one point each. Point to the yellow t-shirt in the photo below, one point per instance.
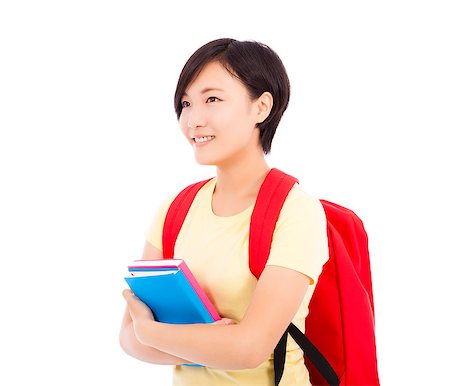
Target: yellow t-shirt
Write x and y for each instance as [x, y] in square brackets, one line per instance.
[216, 250]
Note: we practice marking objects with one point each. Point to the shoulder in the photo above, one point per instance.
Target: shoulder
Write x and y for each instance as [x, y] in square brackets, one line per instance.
[301, 204]
[300, 239]
[302, 217]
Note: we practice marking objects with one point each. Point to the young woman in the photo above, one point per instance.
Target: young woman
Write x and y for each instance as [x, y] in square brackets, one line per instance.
[229, 100]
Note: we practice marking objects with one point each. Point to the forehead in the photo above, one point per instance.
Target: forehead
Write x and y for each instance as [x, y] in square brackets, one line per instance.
[214, 76]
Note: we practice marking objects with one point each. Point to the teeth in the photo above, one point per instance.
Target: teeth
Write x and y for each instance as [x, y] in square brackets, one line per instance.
[203, 139]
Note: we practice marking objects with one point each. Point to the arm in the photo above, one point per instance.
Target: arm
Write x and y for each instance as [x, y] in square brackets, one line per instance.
[134, 348]
[277, 297]
[128, 340]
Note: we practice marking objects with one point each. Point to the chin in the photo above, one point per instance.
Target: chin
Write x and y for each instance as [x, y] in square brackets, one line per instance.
[204, 160]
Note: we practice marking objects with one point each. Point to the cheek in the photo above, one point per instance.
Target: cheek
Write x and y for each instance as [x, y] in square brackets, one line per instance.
[240, 125]
[182, 123]
[233, 116]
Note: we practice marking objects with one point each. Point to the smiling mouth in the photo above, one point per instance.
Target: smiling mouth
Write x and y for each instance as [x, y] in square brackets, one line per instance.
[203, 139]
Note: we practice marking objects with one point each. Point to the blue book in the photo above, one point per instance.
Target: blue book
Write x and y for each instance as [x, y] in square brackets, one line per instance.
[169, 289]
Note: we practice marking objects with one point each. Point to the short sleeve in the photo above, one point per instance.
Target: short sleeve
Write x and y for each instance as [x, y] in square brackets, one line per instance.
[300, 239]
[154, 232]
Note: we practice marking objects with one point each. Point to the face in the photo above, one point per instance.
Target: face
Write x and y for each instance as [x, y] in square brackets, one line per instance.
[219, 118]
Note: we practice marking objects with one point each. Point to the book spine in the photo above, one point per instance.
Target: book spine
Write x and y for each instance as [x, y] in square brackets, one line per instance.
[200, 293]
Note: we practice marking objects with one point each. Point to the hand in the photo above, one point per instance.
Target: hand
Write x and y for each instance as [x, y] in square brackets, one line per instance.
[137, 308]
[140, 314]
[224, 321]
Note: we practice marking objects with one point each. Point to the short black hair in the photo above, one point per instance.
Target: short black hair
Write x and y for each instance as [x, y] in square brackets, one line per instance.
[256, 65]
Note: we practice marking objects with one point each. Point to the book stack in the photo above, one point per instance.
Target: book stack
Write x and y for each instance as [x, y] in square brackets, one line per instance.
[171, 291]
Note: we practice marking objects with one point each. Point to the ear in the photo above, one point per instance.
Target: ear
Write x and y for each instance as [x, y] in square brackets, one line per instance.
[264, 105]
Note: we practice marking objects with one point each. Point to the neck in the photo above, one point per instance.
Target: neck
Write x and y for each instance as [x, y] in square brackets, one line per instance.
[242, 179]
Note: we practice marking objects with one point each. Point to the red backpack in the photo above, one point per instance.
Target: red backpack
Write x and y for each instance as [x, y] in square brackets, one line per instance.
[341, 312]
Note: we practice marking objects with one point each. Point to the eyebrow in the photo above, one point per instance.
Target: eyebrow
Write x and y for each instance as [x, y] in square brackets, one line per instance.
[206, 90]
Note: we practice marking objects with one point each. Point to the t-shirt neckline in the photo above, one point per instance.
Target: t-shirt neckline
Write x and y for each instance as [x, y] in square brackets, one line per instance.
[233, 217]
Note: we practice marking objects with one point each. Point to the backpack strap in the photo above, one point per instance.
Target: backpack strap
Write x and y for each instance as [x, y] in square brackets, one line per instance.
[310, 351]
[176, 215]
[314, 356]
[270, 201]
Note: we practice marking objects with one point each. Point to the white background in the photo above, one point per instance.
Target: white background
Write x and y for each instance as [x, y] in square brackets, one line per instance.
[89, 146]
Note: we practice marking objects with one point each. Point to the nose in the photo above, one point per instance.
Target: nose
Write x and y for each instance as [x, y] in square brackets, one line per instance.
[196, 118]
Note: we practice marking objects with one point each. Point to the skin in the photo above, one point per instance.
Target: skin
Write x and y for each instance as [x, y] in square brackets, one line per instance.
[217, 104]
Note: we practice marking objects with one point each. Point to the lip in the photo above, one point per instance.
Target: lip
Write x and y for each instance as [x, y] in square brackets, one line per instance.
[202, 135]
[201, 144]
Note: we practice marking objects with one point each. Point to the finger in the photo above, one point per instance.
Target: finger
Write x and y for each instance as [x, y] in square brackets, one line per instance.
[225, 321]
[133, 307]
[131, 300]
[128, 295]
[136, 307]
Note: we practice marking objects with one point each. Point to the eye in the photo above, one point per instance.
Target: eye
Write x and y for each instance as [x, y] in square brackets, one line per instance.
[185, 104]
[212, 99]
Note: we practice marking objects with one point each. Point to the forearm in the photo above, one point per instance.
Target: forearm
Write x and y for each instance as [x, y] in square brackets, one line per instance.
[218, 346]
[149, 354]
